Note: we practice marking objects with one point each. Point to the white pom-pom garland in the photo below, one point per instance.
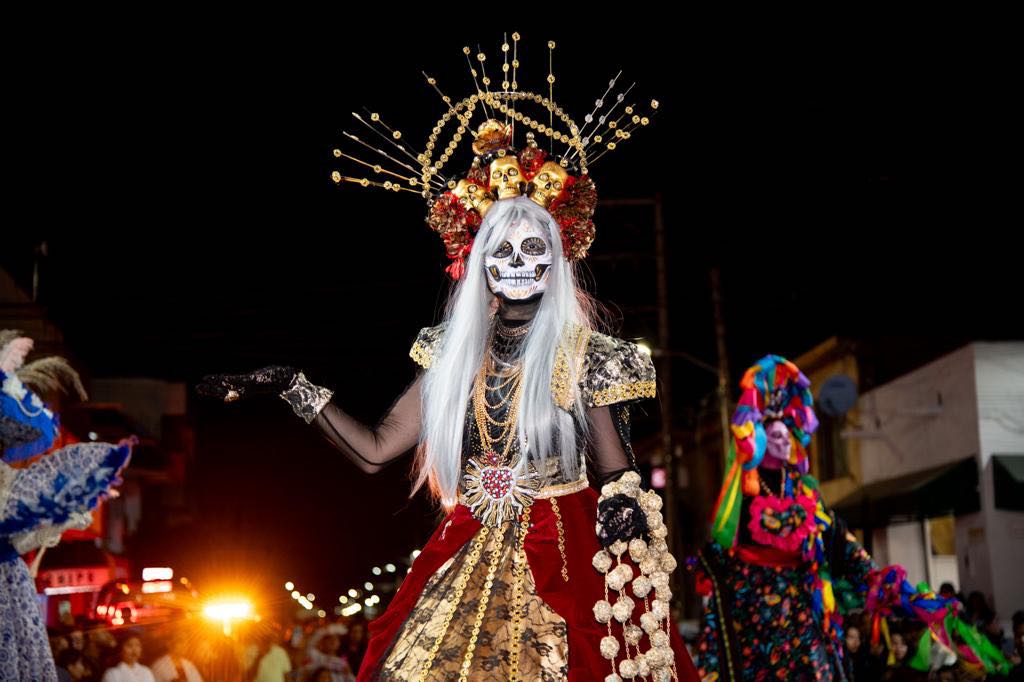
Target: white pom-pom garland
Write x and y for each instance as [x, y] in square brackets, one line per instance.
[623, 609]
[602, 561]
[609, 647]
[638, 549]
[642, 586]
[655, 563]
[649, 623]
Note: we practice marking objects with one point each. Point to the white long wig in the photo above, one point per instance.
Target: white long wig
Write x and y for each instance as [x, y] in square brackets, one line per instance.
[544, 429]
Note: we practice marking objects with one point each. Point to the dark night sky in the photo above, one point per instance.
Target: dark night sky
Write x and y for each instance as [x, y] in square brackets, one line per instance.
[845, 187]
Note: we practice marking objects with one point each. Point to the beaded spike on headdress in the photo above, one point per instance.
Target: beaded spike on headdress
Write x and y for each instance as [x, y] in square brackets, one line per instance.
[559, 182]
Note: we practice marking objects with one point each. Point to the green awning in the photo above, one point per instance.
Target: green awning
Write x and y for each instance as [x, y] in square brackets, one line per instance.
[938, 491]
[1008, 480]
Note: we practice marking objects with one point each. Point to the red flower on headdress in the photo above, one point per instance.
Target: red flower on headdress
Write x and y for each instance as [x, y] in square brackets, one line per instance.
[573, 211]
[530, 161]
[456, 225]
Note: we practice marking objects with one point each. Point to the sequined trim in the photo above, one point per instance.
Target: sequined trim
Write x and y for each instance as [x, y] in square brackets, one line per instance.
[548, 491]
[615, 371]
[563, 488]
[608, 370]
[561, 387]
[306, 399]
[422, 351]
[620, 392]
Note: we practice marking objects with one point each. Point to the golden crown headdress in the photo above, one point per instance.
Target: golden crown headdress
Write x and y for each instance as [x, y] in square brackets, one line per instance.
[558, 182]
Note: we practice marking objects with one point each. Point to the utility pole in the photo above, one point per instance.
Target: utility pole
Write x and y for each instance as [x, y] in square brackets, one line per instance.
[723, 362]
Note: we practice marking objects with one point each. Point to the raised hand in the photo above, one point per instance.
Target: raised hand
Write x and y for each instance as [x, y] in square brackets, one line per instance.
[266, 381]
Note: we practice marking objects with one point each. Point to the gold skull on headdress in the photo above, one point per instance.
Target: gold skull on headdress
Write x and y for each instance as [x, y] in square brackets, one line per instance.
[548, 183]
[506, 176]
[472, 196]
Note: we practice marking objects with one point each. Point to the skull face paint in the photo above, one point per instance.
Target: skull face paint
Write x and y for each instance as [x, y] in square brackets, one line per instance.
[518, 269]
[779, 443]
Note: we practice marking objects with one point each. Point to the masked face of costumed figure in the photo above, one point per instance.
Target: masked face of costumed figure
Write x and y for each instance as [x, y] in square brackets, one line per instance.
[517, 272]
[774, 420]
[779, 444]
[771, 428]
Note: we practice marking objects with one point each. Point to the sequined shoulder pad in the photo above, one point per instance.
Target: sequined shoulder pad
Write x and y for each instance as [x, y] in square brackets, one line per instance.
[427, 342]
[615, 370]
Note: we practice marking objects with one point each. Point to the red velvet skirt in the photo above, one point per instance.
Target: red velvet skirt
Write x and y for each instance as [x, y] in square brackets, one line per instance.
[573, 601]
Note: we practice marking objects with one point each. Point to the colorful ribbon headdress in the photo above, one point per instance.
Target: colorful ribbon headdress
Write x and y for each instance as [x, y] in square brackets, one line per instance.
[774, 388]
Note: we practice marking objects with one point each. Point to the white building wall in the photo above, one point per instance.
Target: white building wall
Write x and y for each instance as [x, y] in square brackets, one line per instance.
[999, 377]
[921, 420]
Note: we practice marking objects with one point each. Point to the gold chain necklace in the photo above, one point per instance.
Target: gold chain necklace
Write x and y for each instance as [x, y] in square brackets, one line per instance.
[501, 401]
[782, 485]
[483, 417]
[507, 377]
[496, 491]
[512, 332]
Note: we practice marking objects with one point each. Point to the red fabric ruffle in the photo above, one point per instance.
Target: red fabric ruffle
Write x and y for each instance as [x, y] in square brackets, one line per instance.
[573, 601]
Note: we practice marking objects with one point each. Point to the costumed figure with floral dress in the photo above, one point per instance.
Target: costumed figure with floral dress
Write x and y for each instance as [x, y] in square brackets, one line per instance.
[41, 495]
[781, 569]
[531, 574]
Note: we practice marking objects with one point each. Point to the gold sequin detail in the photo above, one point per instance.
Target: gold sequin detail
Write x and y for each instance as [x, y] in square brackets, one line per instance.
[561, 538]
[485, 596]
[556, 490]
[518, 572]
[426, 344]
[561, 386]
[421, 354]
[619, 392]
[460, 587]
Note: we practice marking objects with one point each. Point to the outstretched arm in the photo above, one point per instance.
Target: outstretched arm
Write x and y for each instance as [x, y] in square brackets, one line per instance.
[373, 448]
[370, 448]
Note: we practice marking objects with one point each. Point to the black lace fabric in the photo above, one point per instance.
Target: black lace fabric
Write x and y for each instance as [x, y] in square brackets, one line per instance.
[261, 382]
[543, 638]
[611, 446]
[621, 518]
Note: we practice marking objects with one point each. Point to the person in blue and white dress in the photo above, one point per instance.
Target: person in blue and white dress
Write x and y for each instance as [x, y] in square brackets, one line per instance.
[39, 498]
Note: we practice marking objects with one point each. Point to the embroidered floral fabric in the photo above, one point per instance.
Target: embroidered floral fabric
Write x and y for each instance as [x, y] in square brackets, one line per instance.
[759, 622]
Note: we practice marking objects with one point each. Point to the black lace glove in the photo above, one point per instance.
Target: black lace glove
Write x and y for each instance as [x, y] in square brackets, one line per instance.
[267, 381]
[621, 518]
[14, 433]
